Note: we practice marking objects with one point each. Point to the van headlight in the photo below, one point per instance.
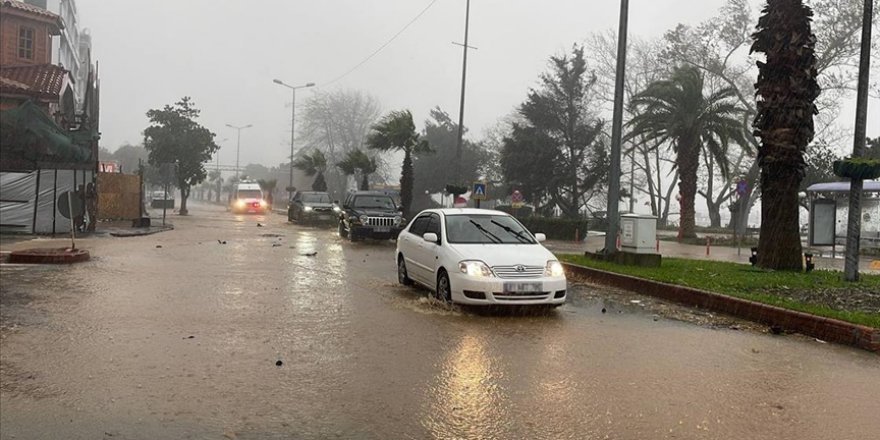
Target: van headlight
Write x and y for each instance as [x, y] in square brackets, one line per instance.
[263, 204]
[239, 203]
[554, 269]
[475, 269]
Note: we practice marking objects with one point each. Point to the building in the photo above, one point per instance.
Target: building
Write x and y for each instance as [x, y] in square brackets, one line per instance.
[72, 46]
[48, 135]
[26, 71]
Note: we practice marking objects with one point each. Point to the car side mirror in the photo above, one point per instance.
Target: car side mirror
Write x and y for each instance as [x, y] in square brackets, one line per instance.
[431, 237]
[540, 237]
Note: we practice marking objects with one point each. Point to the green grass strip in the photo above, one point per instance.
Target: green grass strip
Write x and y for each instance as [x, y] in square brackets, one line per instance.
[747, 282]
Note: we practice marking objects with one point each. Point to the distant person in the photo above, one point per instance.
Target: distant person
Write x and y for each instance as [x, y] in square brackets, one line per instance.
[80, 197]
[92, 206]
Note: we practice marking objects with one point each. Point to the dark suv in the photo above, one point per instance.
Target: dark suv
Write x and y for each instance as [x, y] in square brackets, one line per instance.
[311, 206]
[369, 214]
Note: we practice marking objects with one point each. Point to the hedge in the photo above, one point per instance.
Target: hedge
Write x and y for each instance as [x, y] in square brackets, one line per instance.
[563, 228]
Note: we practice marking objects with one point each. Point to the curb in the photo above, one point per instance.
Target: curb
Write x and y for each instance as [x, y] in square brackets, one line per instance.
[152, 231]
[826, 329]
[48, 256]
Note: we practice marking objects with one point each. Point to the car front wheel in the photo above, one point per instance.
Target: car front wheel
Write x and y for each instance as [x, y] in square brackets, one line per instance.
[402, 275]
[444, 290]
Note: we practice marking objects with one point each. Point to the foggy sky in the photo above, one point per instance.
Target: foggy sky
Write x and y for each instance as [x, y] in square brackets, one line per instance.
[224, 54]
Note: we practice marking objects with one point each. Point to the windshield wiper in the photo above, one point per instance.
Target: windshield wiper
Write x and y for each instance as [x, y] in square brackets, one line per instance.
[518, 234]
[486, 232]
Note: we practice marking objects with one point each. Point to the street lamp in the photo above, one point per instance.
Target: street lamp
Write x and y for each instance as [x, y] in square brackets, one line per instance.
[238, 144]
[292, 125]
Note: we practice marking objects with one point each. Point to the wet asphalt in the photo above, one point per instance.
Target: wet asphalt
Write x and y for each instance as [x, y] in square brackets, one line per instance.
[178, 335]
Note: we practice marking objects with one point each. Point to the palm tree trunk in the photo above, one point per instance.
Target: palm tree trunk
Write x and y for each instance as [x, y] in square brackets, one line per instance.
[365, 182]
[688, 163]
[406, 183]
[779, 245]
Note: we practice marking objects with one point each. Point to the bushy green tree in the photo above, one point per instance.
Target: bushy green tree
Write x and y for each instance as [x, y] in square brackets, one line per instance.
[557, 152]
[174, 137]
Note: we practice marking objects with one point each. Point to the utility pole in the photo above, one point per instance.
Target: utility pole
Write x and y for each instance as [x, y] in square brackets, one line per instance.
[616, 128]
[292, 126]
[465, 47]
[854, 221]
[238, 145]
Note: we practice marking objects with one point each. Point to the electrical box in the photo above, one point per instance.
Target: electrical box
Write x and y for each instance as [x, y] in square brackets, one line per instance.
[638, 233]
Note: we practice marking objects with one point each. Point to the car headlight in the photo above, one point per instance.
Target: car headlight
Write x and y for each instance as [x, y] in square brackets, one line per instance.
[554, 269]
[239, 203]
[475, 269]
[308, 209]
[364, 219]
[263, 203]
[398, 220]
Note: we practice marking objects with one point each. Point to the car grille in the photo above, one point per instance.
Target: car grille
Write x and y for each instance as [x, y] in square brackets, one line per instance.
[520, 296]
[380, 221]
[518, 271]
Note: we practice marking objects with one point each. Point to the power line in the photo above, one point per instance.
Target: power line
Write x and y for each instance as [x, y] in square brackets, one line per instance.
[376, 52]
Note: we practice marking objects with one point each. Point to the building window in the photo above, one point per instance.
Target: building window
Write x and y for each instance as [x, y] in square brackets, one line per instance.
[26, 43]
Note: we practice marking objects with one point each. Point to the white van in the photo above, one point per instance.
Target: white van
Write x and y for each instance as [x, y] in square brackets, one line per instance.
[248, 197]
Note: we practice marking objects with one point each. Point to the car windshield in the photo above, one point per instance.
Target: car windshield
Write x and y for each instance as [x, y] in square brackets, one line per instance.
[249, 194]
[486, 229]
[374, 202]
[316, 198]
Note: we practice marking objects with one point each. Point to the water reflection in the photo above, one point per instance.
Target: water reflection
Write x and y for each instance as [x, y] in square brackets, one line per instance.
[467, 398]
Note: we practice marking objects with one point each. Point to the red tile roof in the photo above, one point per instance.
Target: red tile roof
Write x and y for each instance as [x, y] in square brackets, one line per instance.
[35, 11]
[38, 80]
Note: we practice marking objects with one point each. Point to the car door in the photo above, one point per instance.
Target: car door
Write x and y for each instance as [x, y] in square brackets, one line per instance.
[428, 253]
[412, 248]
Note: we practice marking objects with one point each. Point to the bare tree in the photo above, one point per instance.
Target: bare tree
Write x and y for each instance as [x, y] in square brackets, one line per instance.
[336, 123]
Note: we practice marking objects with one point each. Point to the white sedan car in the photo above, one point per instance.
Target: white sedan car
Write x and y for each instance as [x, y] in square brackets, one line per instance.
[479, 257]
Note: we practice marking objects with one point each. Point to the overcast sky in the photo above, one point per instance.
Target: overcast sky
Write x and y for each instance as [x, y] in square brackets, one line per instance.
[224, 54]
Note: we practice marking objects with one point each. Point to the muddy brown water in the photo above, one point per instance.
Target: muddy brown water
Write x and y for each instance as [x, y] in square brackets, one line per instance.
[182, 341]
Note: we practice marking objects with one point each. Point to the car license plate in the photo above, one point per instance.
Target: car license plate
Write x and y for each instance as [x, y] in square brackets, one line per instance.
[383, 229]
[323, 217]
[523, 287]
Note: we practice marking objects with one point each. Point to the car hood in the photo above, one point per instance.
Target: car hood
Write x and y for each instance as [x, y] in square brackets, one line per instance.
[318, 205]
[376, 213]
[504, 254]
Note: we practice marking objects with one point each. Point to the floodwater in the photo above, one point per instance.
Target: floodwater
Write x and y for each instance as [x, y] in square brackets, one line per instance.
[177, 335]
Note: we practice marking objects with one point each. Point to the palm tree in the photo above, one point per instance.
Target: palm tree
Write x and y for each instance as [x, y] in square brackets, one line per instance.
[786, 90]
[358, 162]
[676, 112]
[268, 187]
[397, 132]
[314, 164]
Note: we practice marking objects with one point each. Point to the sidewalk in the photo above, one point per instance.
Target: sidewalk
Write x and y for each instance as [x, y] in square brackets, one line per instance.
[595, 242]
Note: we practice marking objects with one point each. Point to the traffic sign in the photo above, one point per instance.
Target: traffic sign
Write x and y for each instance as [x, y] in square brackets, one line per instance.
[516, 199]
[479, 191]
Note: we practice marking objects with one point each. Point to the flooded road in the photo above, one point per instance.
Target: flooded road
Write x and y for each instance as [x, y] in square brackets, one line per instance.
[178, 335]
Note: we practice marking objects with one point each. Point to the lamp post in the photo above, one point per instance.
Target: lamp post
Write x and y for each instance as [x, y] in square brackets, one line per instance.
[238, 144]
[292, 125]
